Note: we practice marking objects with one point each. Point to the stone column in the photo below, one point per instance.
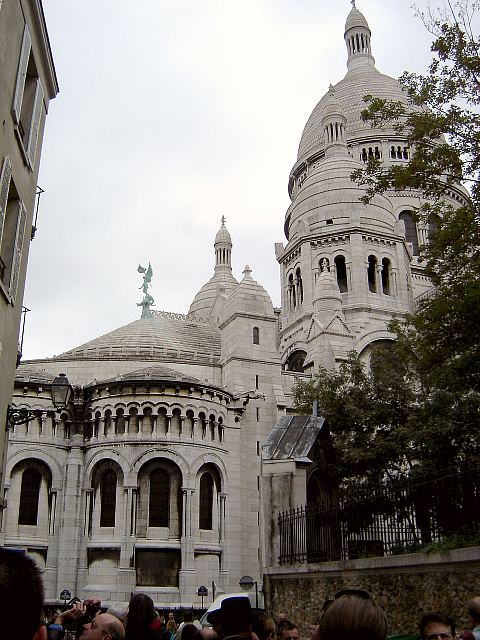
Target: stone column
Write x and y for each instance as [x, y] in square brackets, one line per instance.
[71, 519]
[126, 572]
[53, 510]
[378, 279]
[154, 423]
[187, 575]
[223, 573]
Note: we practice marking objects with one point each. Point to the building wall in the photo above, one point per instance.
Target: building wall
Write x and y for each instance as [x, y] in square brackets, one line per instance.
[21, 105]
[407, 587]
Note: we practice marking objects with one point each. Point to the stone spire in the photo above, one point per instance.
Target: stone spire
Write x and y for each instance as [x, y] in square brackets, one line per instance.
[357, 39]
[223, 249]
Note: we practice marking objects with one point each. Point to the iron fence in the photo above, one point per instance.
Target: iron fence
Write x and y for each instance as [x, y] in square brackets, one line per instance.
[399, 517]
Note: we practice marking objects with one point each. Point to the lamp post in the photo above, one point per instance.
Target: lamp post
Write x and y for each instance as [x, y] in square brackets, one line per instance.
[61, 394]
[246, 583]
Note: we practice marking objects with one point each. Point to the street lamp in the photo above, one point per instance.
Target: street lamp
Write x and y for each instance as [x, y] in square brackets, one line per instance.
[246, 583]
[61, 394]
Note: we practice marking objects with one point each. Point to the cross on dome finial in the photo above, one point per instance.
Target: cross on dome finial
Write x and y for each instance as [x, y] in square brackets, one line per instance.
[223, 221]
[353, 4]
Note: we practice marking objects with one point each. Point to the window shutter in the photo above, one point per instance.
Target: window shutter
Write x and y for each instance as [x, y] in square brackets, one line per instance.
[5, 178]
[36, 115]
[21, 75]
[17, 252]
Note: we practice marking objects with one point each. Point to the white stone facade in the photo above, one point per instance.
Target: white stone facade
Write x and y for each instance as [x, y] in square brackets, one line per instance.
[151, 479]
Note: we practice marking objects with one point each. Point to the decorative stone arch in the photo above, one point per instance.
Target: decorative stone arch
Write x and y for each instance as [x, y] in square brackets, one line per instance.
[208, 487]
[36, 454]
[161, 405]
[366, 344]
[176, 405]
[133, 404]
[221, 414]
[148, 404]
[202, 408]
[341, 270]
[152, 454]
[100, 456]
[214, 460]
[120, 405]
[295, 360]
[105, 496]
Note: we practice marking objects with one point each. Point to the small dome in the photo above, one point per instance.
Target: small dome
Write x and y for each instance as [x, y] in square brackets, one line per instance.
[355, 20]
[332, 107]
[204, 301]
[223, 236]
[249, 297]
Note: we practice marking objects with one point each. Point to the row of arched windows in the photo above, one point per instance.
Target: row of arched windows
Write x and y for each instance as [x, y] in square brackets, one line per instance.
[157, 481]
[206, 427]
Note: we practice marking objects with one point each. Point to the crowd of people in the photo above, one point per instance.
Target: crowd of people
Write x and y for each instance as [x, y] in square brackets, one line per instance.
[352, 613]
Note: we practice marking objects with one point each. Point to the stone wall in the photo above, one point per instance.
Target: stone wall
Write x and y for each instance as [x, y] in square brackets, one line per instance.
[406, 586]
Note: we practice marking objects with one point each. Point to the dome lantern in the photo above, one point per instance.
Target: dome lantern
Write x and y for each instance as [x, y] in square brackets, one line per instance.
[223, 249]
[358, 40]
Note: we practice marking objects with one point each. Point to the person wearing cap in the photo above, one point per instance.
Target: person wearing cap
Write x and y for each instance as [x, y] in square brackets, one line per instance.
[233, 620]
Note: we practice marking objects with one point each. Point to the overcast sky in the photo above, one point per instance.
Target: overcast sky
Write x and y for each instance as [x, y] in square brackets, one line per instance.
[170, 115]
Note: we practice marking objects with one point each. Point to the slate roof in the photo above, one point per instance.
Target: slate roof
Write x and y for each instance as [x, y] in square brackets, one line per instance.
[153, 374]
[30, 375]
[292, 437]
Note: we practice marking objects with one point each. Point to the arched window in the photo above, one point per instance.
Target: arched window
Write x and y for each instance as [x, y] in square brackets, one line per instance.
[299, 284]
[296, 361]
[291, 292]
[386, 276]
[29, 496]
[372, 274]
[158, 505]
[410, 230]
[341, 271]
[206, 502]
[108, 498]
[256, 335]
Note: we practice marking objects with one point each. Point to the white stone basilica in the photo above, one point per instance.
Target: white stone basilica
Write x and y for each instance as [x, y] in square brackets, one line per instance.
[150, 480]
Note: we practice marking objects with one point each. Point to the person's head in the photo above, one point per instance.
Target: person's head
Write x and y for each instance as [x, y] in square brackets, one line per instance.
[287, 630]
[234, 616]
[189, 632]
[141, 611]
[208, 633]
[313, 630]
[188, 615]
[264, 627]
[353, 614]
[281, 615]
[103, 627]
[21, 596]
[435, 626]
[474, 610]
